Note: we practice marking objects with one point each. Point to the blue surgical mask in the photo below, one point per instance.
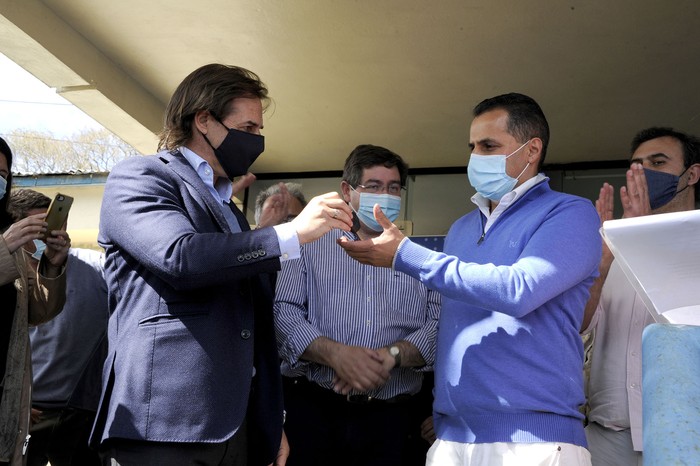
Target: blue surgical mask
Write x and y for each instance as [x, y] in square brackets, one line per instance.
[3, 187]
[487, 174]
[662, 187]
[40, 246]
[390, 205]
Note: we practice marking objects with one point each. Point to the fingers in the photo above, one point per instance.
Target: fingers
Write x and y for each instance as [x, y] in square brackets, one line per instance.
[25, 230]
[322, 214]
[359, 369]
[381, 218]
[605, 203]
[635, 195]
[358, 250]
[283, 189]
[242, 183]
[426, 430]
[57, 244]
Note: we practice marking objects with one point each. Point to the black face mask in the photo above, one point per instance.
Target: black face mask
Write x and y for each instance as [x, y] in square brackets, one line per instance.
[662, 187]
[238, 151]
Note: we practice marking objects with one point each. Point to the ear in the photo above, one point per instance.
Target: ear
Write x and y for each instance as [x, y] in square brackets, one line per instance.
[534, 151]
[694, 175]
[345, 189]
[201, 120]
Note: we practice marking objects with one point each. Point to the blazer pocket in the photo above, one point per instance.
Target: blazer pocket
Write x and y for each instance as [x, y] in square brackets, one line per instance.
[160, 319]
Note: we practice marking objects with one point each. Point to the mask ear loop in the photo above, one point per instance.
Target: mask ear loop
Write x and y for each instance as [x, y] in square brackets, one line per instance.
[516, 150]
[521, 173]
[221, 123]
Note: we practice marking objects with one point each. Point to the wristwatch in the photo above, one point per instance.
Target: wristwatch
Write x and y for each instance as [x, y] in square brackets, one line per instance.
[395, 351]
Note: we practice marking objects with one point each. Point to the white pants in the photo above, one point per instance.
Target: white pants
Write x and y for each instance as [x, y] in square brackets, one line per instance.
[446, 453]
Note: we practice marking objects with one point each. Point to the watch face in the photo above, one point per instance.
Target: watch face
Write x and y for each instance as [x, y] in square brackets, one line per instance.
[394, 351]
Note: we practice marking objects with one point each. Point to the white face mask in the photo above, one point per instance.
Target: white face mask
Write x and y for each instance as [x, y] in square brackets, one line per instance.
[487, 174]
[3, 187]
[40, 247]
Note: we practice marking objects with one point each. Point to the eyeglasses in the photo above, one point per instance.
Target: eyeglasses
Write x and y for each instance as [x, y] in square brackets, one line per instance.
[394, 189]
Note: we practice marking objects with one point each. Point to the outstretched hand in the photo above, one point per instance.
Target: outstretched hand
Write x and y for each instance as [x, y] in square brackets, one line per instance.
[322, 214]
[377, 251]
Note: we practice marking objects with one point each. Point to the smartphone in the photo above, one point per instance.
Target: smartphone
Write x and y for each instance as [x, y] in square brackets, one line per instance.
[355, 223]
[57, 215]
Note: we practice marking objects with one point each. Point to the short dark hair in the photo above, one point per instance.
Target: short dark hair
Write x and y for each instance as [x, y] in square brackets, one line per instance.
[5, 217]
[24, 200]
[689, 143]
[211, 87]
[526, 119]
[368, 156]
[293, 188]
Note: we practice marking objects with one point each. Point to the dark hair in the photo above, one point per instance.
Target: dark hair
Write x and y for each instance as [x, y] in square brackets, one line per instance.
[211, 87]
[526, 119]
[5, 217]
[293, 188]
[368, 156]
[689, 143]
[23, 200]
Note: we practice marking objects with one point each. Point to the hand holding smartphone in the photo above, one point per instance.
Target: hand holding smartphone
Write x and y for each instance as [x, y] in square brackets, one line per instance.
[57, 215]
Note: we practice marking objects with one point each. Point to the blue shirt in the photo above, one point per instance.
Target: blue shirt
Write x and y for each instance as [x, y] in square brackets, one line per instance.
[222, 191]
[327, 293]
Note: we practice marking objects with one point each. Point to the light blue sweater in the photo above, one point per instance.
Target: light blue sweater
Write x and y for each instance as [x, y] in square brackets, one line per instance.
[509, 359]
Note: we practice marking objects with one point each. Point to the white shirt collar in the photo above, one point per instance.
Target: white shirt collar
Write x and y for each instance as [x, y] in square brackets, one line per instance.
[509, 198]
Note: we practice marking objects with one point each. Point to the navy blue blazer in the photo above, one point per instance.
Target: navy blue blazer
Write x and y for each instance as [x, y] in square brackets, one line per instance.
[191, 313]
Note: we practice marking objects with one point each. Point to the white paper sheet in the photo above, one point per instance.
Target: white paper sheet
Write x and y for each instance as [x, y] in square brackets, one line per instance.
[660, 255]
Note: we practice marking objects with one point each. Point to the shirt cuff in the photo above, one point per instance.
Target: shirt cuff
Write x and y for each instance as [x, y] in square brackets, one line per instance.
[288, 242]
[396, 253]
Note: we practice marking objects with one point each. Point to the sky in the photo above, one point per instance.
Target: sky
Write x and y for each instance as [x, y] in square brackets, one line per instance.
[28, 103]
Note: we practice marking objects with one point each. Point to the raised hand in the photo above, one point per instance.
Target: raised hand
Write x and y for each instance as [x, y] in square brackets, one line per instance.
[635, 196]
[242, 182]
[276, 208]
[605, 203]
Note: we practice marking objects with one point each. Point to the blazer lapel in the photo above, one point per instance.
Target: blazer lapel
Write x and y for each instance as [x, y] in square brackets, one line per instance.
[178, 163]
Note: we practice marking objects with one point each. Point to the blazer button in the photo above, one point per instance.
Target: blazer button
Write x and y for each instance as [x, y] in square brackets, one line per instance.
[240, 258]
[248, 256]
[262, 252]
[255, 254]
[245, 334]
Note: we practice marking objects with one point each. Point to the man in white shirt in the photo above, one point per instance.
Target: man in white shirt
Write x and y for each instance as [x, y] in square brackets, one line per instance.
[663, 178]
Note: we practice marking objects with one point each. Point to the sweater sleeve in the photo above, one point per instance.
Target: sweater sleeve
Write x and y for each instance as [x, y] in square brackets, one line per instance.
[562, 252]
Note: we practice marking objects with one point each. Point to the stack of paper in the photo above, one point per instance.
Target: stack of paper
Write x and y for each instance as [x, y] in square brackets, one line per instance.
[660, 255]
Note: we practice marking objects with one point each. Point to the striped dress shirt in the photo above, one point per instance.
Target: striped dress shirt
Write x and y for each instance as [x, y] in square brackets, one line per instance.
[327, 293]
